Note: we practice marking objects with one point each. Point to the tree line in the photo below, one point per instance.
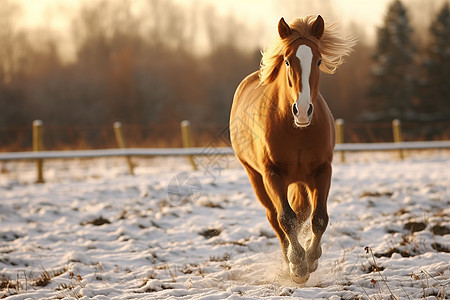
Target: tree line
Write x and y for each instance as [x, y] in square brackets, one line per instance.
[152, 70]
[410, 81]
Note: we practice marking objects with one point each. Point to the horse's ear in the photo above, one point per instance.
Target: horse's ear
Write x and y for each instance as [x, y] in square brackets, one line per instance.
[283, 29]
[318, 27]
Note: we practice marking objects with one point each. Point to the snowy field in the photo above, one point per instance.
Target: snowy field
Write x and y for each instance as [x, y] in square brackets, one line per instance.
[94, 232]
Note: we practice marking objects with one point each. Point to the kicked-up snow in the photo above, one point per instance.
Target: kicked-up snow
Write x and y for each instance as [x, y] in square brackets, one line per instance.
[94, 232]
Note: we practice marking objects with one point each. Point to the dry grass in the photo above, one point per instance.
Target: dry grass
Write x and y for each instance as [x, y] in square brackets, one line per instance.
[25, 281]
[431, 286]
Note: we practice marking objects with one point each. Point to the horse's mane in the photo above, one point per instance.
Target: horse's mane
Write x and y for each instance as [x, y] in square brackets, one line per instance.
[333, 46]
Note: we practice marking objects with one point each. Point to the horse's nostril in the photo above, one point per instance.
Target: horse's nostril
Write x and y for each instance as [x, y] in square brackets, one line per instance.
[310, 110]
[294, 109]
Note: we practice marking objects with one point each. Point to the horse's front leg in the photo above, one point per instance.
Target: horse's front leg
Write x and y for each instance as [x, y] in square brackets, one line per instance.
[258, 185]
[320, 187]
[296, 255]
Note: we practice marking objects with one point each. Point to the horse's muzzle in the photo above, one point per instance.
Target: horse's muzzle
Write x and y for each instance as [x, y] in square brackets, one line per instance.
[302, 116]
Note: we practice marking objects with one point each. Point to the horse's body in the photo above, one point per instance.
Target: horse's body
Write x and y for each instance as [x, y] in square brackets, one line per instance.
[283, 133]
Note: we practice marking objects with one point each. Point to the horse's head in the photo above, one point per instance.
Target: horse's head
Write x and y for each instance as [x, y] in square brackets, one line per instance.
[302, 59]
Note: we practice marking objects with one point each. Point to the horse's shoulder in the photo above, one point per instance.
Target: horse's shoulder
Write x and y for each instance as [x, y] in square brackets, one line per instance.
[252, 77]
[245, 91]
[251, 80]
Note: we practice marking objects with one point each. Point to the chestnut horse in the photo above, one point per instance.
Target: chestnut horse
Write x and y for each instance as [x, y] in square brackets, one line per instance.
[283, 134]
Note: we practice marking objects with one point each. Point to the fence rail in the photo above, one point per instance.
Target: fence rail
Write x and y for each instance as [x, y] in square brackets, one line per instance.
[353, 147]
[39, 155]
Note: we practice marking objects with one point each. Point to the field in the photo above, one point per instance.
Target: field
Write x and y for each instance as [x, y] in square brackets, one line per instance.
[94, 232]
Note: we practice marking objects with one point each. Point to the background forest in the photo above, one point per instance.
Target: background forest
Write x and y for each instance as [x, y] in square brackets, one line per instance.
[152, 72]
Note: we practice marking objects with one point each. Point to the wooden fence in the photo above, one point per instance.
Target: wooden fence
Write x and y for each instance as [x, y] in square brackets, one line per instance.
[39, 154]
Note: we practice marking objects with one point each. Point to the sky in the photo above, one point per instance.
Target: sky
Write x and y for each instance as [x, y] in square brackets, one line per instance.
[55, 12]
[262, 15]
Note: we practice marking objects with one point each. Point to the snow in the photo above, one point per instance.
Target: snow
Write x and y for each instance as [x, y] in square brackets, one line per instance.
[94, 232]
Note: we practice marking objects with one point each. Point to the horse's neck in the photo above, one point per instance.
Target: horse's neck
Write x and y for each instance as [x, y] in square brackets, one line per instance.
[276, 107]
[281, 97]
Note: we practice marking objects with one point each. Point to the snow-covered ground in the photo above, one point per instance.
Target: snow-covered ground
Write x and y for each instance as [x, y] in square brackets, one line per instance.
[94, 232]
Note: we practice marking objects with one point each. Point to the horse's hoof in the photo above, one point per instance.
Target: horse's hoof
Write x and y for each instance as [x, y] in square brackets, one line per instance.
[313, 259]
[299, 273]
[313, 266]
[299, 279]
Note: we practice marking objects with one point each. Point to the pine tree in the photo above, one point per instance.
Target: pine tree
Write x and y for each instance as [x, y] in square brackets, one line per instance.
[393, 71]
[436, 93]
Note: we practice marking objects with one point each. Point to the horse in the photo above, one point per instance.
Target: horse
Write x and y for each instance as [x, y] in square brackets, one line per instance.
[282, 132]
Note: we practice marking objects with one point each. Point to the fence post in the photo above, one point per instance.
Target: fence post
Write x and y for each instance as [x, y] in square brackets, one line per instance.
[339, 123]
[38, 145]
[397, 132]
[187, 140]
[121, 142]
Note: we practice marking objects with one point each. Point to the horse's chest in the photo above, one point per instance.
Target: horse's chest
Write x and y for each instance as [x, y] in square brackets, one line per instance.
[297, 156]
[290, 157]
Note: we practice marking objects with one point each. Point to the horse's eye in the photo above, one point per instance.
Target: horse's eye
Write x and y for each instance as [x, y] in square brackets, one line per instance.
[286, 62]
[320, 62]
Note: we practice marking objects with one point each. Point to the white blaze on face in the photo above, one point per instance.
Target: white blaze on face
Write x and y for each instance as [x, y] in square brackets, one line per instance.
[305, 56]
